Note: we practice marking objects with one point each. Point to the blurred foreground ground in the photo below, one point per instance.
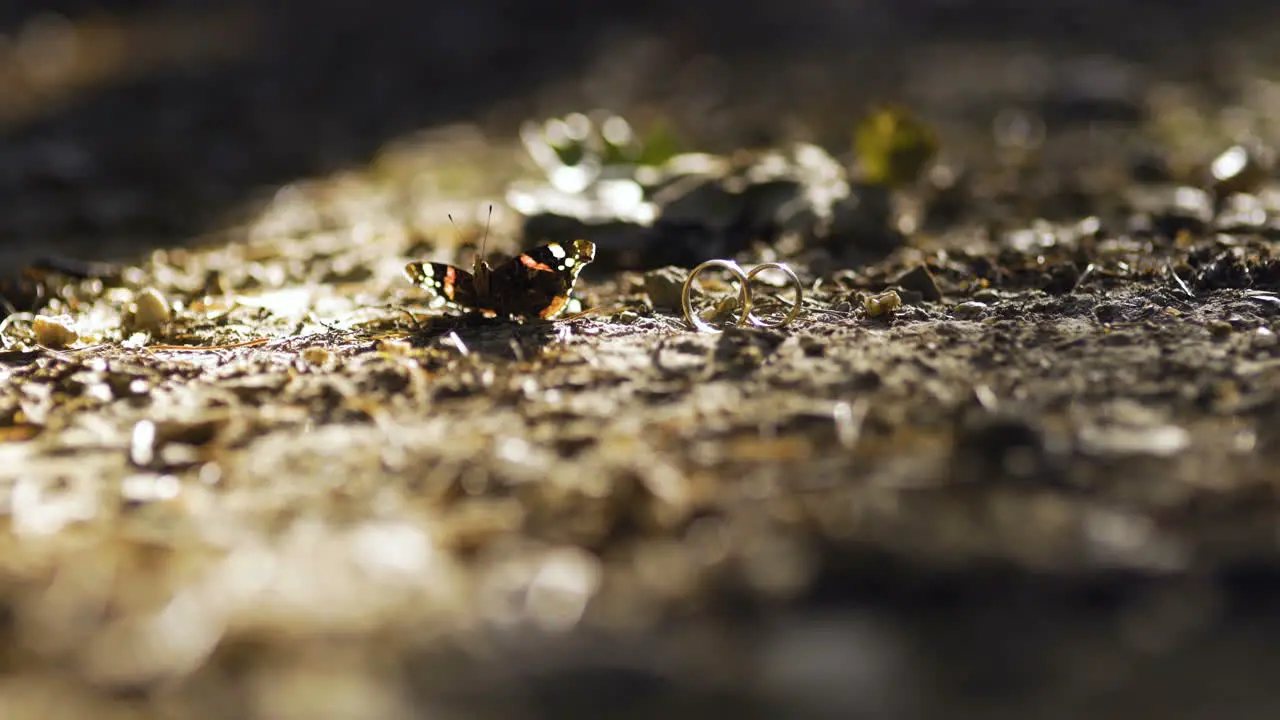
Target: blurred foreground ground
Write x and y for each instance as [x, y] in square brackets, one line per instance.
[1043, 502]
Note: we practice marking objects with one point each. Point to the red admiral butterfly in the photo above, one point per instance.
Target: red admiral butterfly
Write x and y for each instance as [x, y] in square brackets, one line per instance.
[536, 283]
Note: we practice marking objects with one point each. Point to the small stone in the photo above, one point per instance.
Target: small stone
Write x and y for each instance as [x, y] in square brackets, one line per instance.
[1170, 209]
[1061, 279]
[1107, 312]
[393, 347]
[664, 286]
[882, 304]
[143, 443]
[1243, 213]
[316, 356]
[627, 317]
[987, 295]
[813, 346]
[1240, 169]
[1159, 440]
[970, 309]
[1219, 328]
[561, 588]
[52, 333]
[1264, 338]
[149, 312]
[140, 489]
[920, 280]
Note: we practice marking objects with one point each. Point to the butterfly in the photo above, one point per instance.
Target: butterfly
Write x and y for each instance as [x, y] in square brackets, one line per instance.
[536, 283]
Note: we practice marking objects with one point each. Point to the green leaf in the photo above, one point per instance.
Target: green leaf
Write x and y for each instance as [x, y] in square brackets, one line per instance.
[893, 146]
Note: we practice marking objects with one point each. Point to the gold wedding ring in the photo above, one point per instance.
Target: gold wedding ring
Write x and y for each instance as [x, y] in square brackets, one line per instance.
[795, 305]
[744, 295]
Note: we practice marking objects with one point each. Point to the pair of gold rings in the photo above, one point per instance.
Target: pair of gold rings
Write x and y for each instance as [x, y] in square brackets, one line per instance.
[744, 295]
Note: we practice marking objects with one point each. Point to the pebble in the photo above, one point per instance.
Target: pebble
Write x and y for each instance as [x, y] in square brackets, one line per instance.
[813, 346]
[920, 280]
[1264, 338]
[1156, 440]
[1172, 208]
[664, 286]
[52, 333]
[970, 309]
[391, 347]
[316, 356]
[1240, 169]
[883, 303]
[143, 443]
[150, 488]
[150, 311]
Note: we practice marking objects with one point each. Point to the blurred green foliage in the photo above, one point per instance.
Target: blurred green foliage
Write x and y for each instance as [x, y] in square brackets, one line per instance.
[659, 143]
[607, 139]
[893, 146]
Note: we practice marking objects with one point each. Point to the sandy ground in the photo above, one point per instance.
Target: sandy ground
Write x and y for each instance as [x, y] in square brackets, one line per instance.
[302, 491]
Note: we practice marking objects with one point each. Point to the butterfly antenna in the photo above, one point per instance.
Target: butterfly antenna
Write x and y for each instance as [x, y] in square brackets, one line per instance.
[488, 221]
[456, 230]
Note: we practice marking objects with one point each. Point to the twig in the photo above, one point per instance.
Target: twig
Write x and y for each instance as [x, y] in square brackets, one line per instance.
[1182, 284]
[250, 343]
[579, 315]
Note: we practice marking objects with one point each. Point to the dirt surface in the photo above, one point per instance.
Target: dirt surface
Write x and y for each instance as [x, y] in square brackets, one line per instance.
[250, 471]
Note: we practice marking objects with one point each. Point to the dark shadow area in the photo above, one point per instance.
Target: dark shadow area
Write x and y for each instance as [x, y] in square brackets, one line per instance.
[156, 155]
[971, 645]
[114, 163]
[495, 338]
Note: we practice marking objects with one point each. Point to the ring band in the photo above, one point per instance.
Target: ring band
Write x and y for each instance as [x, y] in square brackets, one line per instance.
[795, 307]
[744, 294]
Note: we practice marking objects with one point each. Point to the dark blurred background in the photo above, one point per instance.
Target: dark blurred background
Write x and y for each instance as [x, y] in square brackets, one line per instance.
[129, 124]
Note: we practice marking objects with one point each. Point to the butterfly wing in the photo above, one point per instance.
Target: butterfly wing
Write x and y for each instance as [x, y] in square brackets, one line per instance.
[538, 283]
[455, 285]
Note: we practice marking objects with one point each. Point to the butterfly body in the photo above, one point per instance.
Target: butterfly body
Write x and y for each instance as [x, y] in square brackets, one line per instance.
[536, 283]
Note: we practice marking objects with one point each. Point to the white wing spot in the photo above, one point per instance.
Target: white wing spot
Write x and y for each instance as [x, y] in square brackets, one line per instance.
[568, 262]
[556, 250]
